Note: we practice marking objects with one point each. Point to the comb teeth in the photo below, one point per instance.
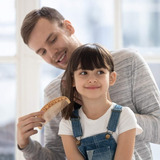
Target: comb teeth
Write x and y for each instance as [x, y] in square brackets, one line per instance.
[54, 101]
[51, 103]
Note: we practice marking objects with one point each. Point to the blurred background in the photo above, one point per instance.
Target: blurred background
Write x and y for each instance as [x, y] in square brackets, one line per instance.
[23, 75]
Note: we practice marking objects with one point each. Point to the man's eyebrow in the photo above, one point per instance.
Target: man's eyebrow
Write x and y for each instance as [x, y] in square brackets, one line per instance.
[45, 42]
[49, 37]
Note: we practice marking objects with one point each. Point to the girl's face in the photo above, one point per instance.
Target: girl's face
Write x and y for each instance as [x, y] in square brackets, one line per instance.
[93, 84]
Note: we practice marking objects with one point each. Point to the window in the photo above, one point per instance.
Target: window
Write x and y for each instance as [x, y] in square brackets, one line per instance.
[141, 30]
[7, 80]
[96, 27]
[141, 25]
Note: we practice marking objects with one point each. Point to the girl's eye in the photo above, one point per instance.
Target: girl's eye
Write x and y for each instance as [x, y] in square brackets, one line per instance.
[83, 73]
[100, 72]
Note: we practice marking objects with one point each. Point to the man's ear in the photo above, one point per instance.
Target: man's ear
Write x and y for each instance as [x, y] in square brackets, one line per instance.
[68, 26]
[112, 78]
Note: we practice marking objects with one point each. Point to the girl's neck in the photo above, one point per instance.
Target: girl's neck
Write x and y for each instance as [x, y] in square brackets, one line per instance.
[94, 109]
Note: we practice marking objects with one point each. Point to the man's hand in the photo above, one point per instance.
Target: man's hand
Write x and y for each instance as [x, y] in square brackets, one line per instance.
[25, 127]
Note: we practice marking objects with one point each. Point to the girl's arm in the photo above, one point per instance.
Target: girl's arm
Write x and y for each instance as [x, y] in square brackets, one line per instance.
[125, 145]
[70, 148]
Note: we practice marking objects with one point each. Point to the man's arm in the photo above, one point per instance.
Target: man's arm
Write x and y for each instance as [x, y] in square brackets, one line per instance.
[136, 88]
[146, 99]
[52, 140]
[53, 149]
[32, 150]
[35, 151]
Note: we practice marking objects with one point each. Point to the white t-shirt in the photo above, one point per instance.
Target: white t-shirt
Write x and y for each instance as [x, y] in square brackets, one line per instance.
[91, 127]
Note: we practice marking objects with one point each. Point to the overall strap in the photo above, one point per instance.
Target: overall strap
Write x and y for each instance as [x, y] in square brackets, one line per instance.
[76, 125]
[113, 121]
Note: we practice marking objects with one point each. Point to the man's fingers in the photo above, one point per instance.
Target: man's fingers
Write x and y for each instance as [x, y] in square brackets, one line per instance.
[34, 114]
[30, 127]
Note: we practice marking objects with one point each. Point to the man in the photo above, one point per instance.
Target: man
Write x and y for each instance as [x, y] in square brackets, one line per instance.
[52, 37]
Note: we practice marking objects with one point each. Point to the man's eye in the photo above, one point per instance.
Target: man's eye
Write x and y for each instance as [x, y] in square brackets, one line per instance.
[53, 40]
[43, 53]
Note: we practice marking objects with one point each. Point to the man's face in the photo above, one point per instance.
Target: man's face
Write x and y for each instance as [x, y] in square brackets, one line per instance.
[53, 43]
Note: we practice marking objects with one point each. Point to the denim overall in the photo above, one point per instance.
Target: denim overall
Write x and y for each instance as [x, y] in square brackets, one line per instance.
[101, 146]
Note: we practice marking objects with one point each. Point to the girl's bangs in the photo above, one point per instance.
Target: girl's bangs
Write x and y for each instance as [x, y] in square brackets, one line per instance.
[90, 61]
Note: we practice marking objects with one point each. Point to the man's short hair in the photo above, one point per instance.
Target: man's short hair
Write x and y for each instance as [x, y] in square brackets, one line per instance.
[32, 18]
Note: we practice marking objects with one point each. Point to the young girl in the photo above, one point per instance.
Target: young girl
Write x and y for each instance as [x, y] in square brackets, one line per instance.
[98, 129]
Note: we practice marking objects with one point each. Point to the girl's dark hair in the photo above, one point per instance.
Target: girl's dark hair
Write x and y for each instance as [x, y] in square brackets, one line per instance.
[89, 57]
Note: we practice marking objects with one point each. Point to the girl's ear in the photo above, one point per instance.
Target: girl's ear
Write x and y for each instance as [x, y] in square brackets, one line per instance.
[68, 26]
[112, 79]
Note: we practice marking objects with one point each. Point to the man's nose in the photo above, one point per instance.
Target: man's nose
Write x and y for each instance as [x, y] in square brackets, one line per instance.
[51, 52]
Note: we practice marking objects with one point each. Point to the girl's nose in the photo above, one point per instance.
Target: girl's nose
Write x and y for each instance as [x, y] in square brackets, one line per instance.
[93, 80]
